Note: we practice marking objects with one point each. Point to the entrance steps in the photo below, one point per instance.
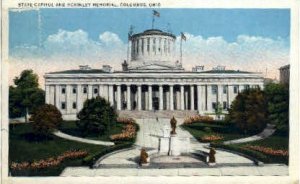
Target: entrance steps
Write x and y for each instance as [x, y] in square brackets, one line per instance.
[159, 114]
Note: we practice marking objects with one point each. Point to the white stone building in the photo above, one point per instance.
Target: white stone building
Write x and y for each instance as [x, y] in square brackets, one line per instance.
[152, 80]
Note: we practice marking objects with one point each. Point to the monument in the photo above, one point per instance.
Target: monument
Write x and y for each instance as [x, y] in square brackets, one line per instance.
[170, 144]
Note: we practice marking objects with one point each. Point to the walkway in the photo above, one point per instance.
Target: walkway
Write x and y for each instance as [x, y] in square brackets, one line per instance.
[267, 132]
[79, 139]
[124, 163]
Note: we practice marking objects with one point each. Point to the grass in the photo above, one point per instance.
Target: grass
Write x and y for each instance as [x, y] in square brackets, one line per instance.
[227, 131]
[275, 142]
[69, 127]
[24, 146]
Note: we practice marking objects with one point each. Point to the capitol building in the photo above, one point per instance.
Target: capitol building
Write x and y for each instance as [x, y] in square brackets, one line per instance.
[151, 79]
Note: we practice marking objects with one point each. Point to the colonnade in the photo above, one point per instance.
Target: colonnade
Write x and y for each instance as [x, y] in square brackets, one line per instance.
[204, 98]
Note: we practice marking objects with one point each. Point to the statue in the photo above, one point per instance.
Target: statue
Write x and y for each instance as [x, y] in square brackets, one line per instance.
[212, 158]
[173, 123]
[143, 157]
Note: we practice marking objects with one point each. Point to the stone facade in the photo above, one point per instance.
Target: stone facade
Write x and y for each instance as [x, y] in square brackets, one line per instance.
[284, 74]
[152, 81]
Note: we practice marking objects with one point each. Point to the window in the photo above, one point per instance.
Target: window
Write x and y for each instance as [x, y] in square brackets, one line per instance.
[84, 90]
[154, 45]
[63, 105]
[63, 90]
[224, 89]
[74, 105]
[95, 90]
[247, 87]
[148, 44]
[214, 105]
[214, 89]
[235, 89]
[74, 90]
[143, 45]
[224, 105]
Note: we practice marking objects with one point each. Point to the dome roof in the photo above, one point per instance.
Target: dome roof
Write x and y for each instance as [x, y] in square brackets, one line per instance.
[153, 32]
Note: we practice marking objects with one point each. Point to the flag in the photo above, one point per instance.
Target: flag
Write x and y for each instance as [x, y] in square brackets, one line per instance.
[183, 37]
[156, 13]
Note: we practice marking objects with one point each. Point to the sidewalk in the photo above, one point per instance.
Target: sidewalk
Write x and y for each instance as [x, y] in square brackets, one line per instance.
[267, 132]
[79, 139]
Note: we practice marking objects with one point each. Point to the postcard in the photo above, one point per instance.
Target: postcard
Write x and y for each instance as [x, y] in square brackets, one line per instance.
[174, 92]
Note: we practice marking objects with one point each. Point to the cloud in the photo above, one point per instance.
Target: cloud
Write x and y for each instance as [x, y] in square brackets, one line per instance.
[68, 49]
[250, 53]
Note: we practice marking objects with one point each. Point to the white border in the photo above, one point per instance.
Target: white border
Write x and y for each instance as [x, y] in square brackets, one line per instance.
[294, 99]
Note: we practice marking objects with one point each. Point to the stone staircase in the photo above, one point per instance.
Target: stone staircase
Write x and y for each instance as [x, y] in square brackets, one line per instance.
[159, 114]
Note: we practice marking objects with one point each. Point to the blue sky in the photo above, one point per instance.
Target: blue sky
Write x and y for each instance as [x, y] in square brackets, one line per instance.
[228, 23]
[241, 39]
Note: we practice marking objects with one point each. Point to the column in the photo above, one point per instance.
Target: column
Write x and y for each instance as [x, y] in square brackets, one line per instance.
[118, 97]
[90, 91]
[199, 98]
[52, 95]
[150, 96]
[161, 99]
[241, 88]
[230, 94]
[220, 95]
[111, 94]
[209, 100]
[47, 98]
[128, 98]
[139, 97]
[146, 100]
[192, 98]
[79, 97]
[182, 97]
[57, 95]
[69, 101]
[171, 98]
[167, 101]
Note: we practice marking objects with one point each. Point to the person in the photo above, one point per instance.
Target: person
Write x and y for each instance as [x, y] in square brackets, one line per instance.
[156, 118]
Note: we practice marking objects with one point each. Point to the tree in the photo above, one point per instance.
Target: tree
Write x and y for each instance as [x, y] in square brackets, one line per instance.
[218, 110]
[46, 118]
[25, 96]
[278, 106]
[248, 111]
[96, 116]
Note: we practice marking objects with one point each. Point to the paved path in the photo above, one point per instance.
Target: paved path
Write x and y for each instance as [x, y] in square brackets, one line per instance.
[266, 170]
[267, 132]
[124, 163]
[79, 139]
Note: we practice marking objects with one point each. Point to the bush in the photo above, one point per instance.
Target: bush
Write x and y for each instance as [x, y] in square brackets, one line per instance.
[248, 111]
[46, 118]
[97, 116]
[197, 118]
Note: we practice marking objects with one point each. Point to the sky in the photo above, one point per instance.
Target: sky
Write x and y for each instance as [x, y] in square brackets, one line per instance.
[48, 40]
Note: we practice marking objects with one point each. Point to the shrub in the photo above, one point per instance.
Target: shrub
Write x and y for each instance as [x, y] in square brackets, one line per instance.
[45, 119]
[197, 118]
[49, 162]
[97, 116]
[209, 138]
[207, 130]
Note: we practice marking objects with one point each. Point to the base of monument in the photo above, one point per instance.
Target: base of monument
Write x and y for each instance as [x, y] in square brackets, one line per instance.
[212, 163]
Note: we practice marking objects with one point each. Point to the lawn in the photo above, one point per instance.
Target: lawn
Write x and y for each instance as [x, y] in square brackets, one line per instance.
[24, 147]
[69, 127]
[275, 142]
[227, 131]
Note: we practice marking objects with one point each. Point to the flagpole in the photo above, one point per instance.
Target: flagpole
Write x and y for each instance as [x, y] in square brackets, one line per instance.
[181, 51]
[152, 21]
[128, 48]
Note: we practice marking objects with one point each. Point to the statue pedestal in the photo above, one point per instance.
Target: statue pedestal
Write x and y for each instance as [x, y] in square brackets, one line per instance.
[164, 143]
[174, 145]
